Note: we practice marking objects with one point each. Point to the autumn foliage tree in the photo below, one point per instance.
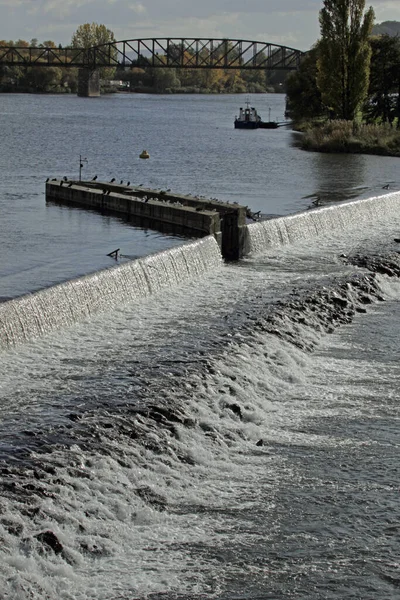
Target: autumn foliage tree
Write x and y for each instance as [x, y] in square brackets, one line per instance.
[91, 34]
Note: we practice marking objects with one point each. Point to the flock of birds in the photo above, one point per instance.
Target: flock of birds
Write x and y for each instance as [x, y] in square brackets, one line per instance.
[255, 216]
[158, 193]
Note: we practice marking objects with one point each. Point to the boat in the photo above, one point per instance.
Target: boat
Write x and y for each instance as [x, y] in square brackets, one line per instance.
[250, 119]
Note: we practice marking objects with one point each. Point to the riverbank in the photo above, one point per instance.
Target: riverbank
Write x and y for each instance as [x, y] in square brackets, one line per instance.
[348, 137]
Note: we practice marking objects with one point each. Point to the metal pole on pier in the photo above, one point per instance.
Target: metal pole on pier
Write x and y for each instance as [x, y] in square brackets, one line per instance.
[81, 161]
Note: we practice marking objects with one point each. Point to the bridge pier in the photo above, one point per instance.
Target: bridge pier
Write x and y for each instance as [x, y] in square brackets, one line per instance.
[88, 83]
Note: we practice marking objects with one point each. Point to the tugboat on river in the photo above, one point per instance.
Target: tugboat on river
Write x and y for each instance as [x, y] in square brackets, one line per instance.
[250, 119]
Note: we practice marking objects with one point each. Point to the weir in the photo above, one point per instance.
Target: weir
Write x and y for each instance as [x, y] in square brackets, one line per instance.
[195, 217]
[35, 315]
[59, 306]
[306, 225]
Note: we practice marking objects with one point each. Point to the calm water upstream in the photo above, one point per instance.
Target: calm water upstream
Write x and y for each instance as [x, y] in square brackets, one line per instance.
[194, 149]
[231, 434]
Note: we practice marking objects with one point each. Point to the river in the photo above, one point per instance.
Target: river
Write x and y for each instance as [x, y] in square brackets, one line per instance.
[232, 435]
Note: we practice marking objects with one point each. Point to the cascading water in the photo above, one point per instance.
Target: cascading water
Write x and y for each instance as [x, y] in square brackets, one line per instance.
[306, 225]
[189, 446]
[34, 315]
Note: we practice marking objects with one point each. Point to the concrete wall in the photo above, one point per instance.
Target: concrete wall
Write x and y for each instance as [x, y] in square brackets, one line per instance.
[158, 209]
[197, 222]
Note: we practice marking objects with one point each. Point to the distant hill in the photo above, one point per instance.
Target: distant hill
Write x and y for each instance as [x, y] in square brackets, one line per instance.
[391, 28]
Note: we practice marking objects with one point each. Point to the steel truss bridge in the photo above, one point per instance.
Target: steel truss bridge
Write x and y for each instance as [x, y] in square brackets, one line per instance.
[166, 53]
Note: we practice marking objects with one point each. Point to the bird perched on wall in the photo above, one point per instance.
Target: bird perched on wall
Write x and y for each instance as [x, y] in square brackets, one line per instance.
[94, 178]
[112, 180]
[54, 179]
[61, 182]
[121, 182]
[48, 179]
[65, 178]
[128, 183]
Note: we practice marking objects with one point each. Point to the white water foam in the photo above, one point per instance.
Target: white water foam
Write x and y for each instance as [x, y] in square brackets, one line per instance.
[319, 221]
[37, 314]
[227, 500]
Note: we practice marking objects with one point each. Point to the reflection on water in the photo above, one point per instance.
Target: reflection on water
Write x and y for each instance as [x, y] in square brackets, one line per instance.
[339, 177]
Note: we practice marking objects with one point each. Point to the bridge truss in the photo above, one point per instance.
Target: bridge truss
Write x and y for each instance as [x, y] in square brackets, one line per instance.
[167, 53]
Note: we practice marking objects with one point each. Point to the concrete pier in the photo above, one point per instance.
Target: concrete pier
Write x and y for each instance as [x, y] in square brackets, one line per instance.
[159, 210]
[88, 83]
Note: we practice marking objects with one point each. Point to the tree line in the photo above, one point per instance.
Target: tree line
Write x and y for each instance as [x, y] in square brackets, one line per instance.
[138, 78]
[349, 74]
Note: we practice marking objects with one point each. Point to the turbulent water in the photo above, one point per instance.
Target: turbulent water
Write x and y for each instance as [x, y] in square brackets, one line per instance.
[179, 428]
[212, 439]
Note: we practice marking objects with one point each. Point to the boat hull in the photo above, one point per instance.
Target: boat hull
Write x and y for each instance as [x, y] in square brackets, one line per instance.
[246, 125]
[268, 125]
[258, 125]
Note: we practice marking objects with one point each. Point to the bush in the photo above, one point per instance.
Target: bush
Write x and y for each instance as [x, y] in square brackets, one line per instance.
[352, 137]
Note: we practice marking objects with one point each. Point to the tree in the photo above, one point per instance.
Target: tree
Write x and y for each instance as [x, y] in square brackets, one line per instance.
[384, 82]
[344, 55]
[303, 96]
[91, 34]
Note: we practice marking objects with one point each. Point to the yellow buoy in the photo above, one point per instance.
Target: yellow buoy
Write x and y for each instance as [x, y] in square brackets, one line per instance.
[144, 154]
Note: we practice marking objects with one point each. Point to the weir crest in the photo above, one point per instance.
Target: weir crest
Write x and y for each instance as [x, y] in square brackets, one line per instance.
[34, 315]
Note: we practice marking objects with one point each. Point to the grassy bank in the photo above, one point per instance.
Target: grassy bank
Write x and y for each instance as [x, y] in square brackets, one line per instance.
[349, 137]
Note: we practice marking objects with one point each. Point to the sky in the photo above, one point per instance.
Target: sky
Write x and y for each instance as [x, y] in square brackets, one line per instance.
[292, 23]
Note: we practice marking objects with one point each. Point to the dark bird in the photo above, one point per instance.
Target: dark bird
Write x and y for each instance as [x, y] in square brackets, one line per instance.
[146, 199]
[55, 179]
[386, 187]
[112, 180]
[61, 182]
[48, 179]
[65, 178]
[128, 183]
[121, 182]
[94, 178]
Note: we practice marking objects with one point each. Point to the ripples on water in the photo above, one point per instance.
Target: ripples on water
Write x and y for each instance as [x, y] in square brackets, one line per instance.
[194, 149]
[133, 436]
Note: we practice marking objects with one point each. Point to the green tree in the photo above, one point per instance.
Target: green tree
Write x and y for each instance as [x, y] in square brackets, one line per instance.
[384, 82]
[344, 55]
[165, 79]
[303, 96]
[43, 79]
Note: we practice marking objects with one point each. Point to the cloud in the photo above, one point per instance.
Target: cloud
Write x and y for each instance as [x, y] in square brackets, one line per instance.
[288, 22]
[138, 8]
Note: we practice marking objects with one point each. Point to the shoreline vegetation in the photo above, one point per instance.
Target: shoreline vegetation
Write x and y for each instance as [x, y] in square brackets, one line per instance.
[345, 95]
[349, 137]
